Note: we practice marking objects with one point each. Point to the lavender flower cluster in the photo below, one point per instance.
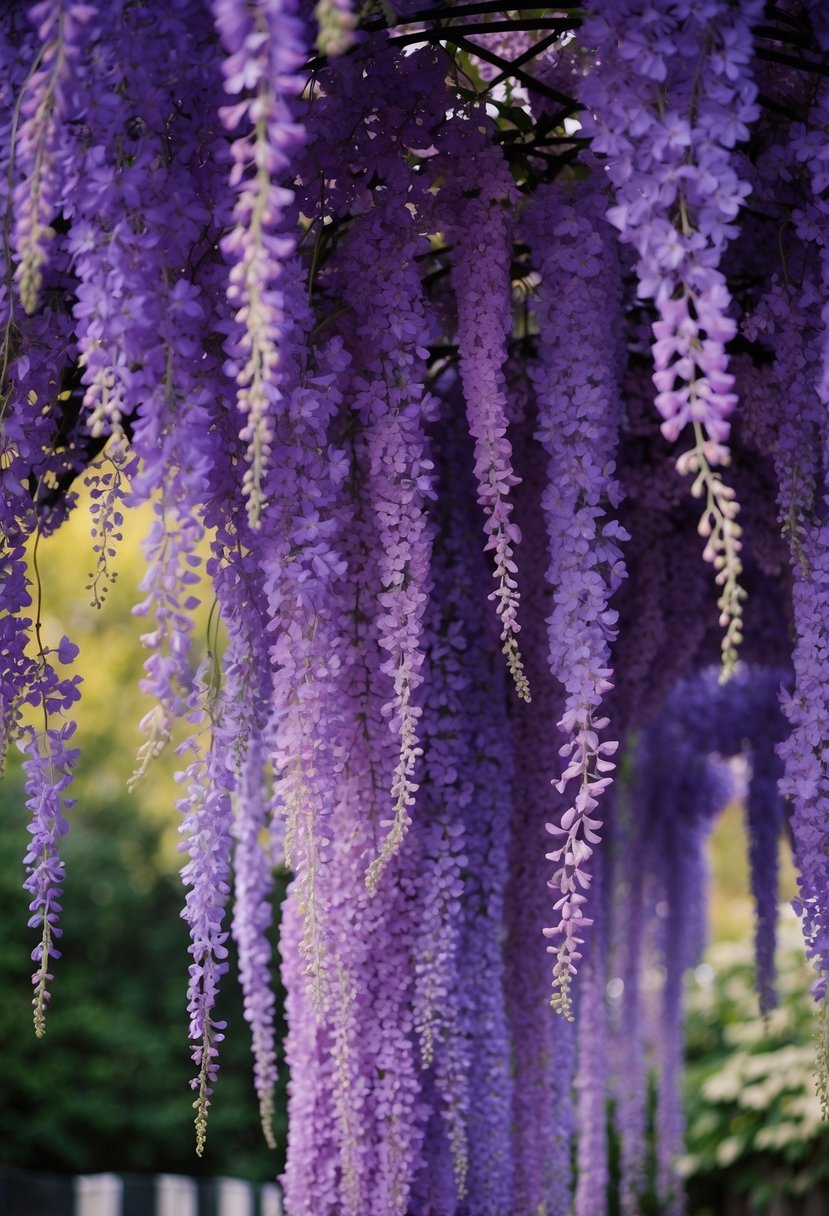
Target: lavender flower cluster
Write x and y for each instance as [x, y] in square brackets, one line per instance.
[384, 341]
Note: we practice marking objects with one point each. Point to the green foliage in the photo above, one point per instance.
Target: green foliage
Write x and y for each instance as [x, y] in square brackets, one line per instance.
[108, 1086]
[754, 1119]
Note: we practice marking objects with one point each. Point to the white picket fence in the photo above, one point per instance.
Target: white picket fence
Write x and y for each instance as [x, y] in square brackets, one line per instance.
[102, 1195]
[30, 1194]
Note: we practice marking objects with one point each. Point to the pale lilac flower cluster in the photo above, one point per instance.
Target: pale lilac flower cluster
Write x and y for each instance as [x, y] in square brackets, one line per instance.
[265, 49]
[48, 766]
[579, 410]
[382, 286]
[49, 99]
[481, 276]
[206, 827]
[671, 98]
[354, 1093]
[252, 918]
[301, 566]
[311, 1180]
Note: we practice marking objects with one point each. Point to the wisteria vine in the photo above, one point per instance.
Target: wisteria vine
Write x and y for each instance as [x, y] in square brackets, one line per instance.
[390, 317]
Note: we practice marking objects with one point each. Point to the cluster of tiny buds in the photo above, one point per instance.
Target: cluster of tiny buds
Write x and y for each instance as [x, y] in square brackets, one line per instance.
[822, 1062]
[515, 666]
[722, 533]
[157, 727]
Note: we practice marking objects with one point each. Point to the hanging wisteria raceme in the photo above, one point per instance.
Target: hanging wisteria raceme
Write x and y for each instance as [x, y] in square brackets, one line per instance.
[800, 464]
[673, 98]
[482, 970]
[47, 102]
[392, 406]
[447, 794]
[252, 918]
[264, 43]
[483, 246]
[329, 315]
[578, 420]
[48, 767]
[299, 567]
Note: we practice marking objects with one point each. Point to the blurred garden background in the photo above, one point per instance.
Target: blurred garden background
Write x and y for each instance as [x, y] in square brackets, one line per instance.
[107, 1088]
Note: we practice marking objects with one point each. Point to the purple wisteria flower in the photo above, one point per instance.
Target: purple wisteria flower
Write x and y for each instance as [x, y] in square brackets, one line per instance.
[265, 47]
[670, 98]
[48, 766]
[482, 234]
[50, 97]
[579, 410]
[252, 918]
[206, 827]
[392, 406]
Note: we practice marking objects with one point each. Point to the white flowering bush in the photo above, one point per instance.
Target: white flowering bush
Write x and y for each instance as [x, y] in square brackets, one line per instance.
[754, 1117]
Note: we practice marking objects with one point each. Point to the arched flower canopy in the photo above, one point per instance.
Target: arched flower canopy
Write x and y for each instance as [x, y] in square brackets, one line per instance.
[484, 352]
